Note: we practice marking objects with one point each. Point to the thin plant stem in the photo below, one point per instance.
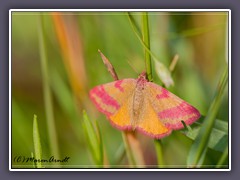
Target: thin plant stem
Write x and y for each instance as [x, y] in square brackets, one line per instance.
[138, 34]
[147, 57]
[53, 142]
[167, 80]
[146, 40]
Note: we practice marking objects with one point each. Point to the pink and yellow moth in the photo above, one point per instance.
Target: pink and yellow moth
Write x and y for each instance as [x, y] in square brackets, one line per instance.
[137, 104]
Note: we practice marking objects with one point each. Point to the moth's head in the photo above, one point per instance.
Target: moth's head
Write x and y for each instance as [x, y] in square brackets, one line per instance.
[143, 76]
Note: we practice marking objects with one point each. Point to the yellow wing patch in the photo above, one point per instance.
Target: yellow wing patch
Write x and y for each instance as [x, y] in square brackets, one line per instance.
[121, 118]
[150, 123]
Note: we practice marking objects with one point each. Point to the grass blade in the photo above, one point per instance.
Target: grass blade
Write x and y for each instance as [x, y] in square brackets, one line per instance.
[146, 40]
[120, 154]
[33, 163]
[130, 157]
[166, 77]
[136, 31]
[218, 139]
[145, 32]
[223, 158]
[37, 142]
[53, 142]
[201, 142]
[94, 140]
[159, 151]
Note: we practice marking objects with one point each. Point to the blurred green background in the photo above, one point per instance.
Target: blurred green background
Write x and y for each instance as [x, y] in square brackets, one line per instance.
[74, 67]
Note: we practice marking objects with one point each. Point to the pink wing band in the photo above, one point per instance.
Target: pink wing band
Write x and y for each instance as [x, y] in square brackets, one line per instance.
[129, 128]
[179, 125]
[163, 95]
[183, 109]
[155, 136]
[105, 98]
[99, 107]
[179, 111]
[122, 128]
[118, 85]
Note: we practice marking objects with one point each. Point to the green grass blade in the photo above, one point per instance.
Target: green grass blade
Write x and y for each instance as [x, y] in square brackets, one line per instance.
[134, 25]
[201, 142]
[161, 69]
[146, 40]
[65, 99]
[218, 139]
[120, 154]
[147, 57]
[60, 90]
[223, 158]
[132, 162]
[159, 151]
[136, 31]
[101, 153]
[33, 163]
[53, 142]
[94, 140]
[37, 142]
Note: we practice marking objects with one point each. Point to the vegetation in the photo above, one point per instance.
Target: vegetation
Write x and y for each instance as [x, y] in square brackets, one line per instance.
[55, 62]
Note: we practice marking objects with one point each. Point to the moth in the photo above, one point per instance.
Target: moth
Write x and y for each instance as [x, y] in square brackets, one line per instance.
[137, 104]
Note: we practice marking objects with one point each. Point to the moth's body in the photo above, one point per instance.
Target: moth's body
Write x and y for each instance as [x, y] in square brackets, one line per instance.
[137, 104]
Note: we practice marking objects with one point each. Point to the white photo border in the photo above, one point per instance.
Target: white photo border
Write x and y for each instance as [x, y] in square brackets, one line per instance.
[118, 10]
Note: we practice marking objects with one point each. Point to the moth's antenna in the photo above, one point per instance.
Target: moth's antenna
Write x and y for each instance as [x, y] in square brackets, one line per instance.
[133, 67]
